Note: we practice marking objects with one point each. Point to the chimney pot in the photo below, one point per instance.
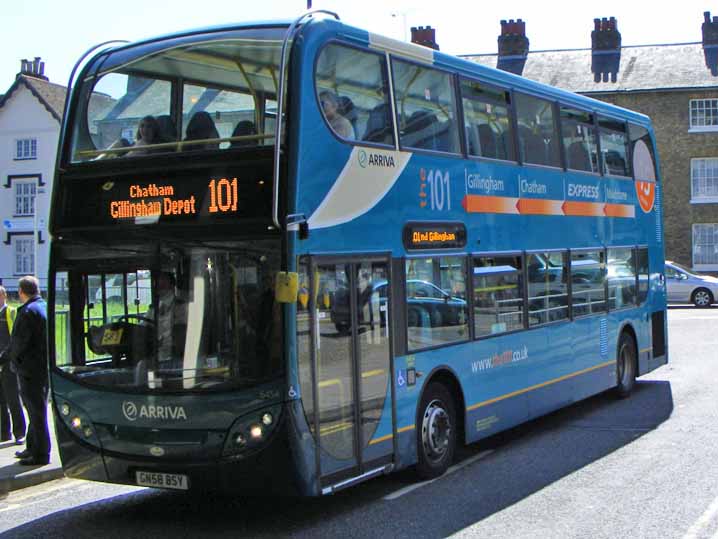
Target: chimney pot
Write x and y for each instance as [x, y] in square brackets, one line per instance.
[513, 46]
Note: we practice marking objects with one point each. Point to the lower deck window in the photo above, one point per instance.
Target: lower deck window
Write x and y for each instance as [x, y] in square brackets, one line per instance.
[621, 276]
[588, 276]
[498, 294]
[547, 287]
[436, 307]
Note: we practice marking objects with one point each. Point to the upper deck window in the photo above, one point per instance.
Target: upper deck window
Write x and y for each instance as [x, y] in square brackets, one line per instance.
[614, 144]
[227, 91]
[579, 140]
[487, 121]
[537, 131]
[426, 108]
[353, 92]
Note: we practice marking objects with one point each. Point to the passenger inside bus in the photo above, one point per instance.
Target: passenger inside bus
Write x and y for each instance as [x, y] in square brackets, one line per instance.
[201, 128]
[245, 127]
[148, 132]
[330, 108]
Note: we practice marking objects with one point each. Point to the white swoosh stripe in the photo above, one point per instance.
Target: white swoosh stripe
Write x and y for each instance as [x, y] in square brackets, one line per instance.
[359, 188]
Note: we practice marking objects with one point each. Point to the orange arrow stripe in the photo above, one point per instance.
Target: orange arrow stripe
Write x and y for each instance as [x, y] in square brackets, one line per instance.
[489, 204]
[620, 210]
[584, 209]
[538, 206]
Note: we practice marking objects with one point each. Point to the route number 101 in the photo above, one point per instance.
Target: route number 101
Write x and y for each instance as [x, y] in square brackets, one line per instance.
[223, 195]
[439, 190]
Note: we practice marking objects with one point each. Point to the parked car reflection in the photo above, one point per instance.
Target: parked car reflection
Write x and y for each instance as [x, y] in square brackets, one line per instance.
[427, 305]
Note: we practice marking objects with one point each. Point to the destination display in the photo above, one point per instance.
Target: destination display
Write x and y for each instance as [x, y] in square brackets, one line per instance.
[426, 235]
[184, 197]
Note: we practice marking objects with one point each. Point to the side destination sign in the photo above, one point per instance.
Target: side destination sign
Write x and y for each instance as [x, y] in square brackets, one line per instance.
[434, 235]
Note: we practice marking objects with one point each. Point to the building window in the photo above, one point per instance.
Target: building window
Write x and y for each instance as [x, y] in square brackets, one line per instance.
[26, 148]
[24, 256]
[705, 246]
[704, 180]
[25, 198]
[704, 115]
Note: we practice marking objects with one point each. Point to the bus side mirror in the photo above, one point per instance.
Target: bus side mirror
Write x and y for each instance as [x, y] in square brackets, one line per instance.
[286, 287]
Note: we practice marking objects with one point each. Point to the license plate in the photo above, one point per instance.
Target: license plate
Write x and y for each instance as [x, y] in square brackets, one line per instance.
[162, 480]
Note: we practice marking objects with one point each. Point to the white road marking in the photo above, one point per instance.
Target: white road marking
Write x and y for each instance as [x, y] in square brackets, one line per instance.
[703, 522]
[452, 469]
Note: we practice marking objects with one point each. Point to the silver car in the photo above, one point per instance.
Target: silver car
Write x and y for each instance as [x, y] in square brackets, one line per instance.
[683, 286]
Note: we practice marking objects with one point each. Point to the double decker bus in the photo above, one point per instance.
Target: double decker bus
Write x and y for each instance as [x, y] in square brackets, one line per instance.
[293, 256]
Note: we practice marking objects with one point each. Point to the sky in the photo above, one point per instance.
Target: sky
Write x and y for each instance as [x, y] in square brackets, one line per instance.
[61, 31]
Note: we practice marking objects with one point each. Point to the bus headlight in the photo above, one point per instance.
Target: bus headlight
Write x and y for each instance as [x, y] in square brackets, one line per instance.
[251, 431]
[77, 421]
[255, 431]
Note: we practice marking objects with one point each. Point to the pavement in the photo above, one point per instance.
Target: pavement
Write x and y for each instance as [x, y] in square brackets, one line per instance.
[13, 476]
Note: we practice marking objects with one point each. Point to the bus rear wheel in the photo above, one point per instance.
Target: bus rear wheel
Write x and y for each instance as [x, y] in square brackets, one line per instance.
[625, 366]
[436, 431]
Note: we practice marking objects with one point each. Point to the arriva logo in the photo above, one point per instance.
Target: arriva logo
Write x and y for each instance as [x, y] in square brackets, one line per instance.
[375, 160]
[150, 411]
[129, 409]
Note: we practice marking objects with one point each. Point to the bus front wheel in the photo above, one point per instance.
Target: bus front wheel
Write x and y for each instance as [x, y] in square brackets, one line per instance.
[625, 366]
[436, 431]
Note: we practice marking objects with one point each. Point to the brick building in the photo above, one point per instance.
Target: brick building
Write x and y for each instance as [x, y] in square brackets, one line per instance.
[676, 85]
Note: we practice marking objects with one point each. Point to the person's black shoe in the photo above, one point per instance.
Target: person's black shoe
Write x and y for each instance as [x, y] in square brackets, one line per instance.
[35, 461]
[22, 454]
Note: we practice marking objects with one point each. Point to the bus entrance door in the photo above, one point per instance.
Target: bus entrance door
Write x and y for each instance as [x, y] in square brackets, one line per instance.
[351, 330]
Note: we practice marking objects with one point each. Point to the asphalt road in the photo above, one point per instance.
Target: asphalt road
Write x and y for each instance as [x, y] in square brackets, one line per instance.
[641, 467]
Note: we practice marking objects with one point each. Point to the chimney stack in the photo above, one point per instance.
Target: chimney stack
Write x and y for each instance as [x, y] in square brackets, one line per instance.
[513, 46]
[32, 68]
[605, 49]
[710, 42]
[425, 36]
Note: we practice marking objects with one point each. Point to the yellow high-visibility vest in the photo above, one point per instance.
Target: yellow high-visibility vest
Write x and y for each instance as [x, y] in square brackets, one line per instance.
[10, 314]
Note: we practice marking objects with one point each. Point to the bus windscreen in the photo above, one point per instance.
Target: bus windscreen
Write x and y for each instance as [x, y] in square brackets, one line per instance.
[203, 96]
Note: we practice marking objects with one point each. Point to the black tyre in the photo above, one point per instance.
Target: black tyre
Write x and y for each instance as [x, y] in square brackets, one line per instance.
[626, 361]
[702, 297]
[435, 431]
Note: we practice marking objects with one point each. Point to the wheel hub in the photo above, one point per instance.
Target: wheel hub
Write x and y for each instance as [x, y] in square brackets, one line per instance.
[702, 298]
[436, 431]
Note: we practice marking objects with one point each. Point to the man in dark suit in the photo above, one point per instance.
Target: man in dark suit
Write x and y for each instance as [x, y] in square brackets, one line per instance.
[10, 405]
[27, 356]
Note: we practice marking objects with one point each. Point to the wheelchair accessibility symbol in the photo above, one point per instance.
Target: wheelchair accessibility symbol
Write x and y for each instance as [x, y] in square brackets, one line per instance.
[401, 378]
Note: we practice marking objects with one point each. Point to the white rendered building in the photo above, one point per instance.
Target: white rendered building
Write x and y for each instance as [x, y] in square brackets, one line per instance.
[30, 116]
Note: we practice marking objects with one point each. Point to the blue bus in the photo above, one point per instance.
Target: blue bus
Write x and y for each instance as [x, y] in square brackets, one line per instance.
[292, 256]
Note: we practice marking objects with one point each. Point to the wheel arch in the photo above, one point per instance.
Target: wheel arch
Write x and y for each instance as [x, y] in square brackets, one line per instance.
[628, 328]
[446, 376]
